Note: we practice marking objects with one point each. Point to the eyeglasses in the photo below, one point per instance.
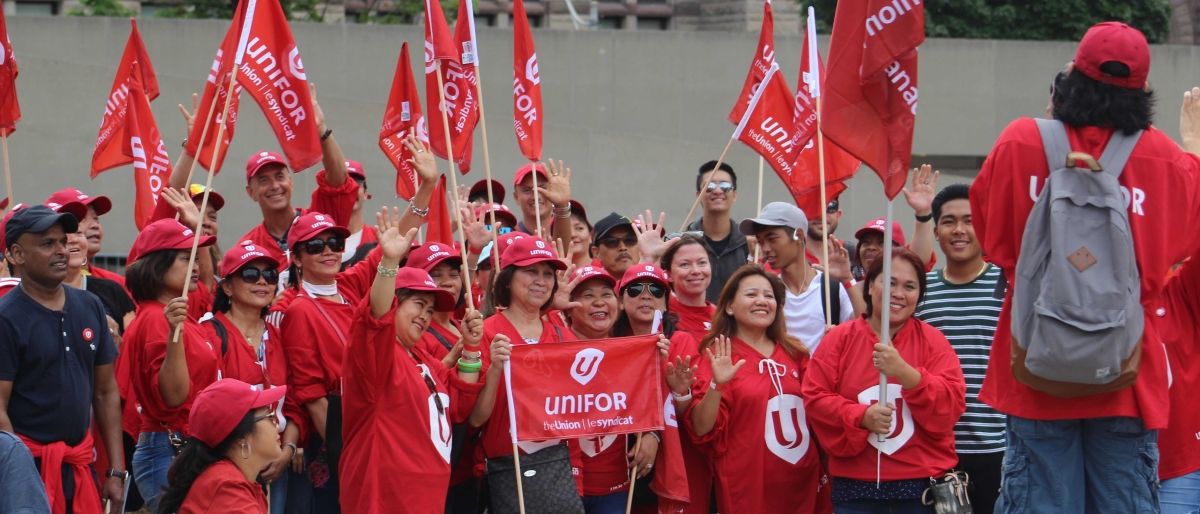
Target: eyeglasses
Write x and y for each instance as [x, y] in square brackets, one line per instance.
[612, 243]
[270, 415]
[251, 275]
[724, 186]
[317, 246]
[636, 290]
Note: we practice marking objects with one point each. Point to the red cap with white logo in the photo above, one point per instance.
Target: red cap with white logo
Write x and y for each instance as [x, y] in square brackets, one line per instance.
[165, 234]
[257, 161]
[309, 225]
[415, 279]
[644, 273]
[355, 170]
[503, 214]
[877, 225]
[61, 198]
[427, 256]
[527, 251]
[587, 273]
[221, 406]
[243, 254]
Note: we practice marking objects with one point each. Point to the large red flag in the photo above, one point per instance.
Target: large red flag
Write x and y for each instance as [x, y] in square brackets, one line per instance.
[401, 118]
[10, 110]
[134, 61]
[584, 388]
[151, 164]
[270, 69]
[764, 57]
[216, 89]
[527, 87]
[870, 102]
[458, 87]
[768, 127]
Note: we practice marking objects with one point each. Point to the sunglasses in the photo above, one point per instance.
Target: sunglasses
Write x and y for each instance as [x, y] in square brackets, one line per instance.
[252, 275]
[503, 229]
[636, 290]
[270, 416]
[725, 187]
[612, 243]
[317, 246]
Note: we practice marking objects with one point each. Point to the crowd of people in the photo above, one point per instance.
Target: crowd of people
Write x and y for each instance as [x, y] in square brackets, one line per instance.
[323, 364]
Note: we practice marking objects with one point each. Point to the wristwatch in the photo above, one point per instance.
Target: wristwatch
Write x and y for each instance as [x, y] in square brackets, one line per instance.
[118, 473]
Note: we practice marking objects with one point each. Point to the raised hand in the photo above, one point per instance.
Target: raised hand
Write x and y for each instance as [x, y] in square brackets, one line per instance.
[566, 285]
[650, 235]
[475, 227]
[721, 361]
[839, 260]
[386, 219]
[557, 189]
[189, 117]
[924, 187]
[1189, 121]
[681, 374]
[318, 114]
[182, 202]
[422, 159]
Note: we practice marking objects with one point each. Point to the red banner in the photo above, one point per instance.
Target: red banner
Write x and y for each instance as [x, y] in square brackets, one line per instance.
[109, 152]
[402, 117]
[769, 128]
[270, 69]
[151, 164]
[458, 86]
[527, 87]
[10, 110]
[216, 89]
[585, 388]
[870, 101]
[764, 57]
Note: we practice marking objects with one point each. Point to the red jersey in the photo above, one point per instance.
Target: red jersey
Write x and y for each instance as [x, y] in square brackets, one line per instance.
[99, 272]
[1161, 188]
[223, 489]
[1176, 316]
[779, 471]
[337, 202]
[397, 429]
[696, 321]
[605, 464]
[143, 351]
[842, 382]
[436, 339]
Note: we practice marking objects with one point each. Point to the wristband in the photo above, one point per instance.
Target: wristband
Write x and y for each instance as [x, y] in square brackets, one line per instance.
[418, 211]
[681, 398]
[387, 272]
[656, 436]
[325, 135]
[471, 355]
[925, 218]
[469, 367]
[117, 473]
[295, 450]
[184, 143]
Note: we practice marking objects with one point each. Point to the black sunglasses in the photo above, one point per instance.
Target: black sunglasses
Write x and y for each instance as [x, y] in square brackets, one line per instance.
[251, 275]
[317, 246]
[635, 290]
[612, 243]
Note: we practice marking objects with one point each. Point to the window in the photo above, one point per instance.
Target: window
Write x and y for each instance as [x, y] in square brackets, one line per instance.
[653, 23]
[37, 9]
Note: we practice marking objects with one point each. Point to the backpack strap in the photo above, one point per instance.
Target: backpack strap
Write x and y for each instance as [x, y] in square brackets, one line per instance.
[1054, 142]
[441, 338]
[835, 301]
[221, 332]
[1117, 151]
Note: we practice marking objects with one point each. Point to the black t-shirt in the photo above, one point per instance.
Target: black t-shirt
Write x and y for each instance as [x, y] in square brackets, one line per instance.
[718, 247]
[50, 357]
[117, 302]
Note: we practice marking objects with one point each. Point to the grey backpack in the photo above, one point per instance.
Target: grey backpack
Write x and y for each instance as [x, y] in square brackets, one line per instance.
[1077, 318]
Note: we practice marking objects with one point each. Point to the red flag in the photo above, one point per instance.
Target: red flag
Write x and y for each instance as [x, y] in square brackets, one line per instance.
[810, 200]
[764, 57]
[670, 481]
[527, 87]
[439, 230]
[10, 110]
[769, 127]
[270, 69]
[134, 61]
[870, 100]
[151, 164]
[584, 388]
[458, 87]
[401, 117]
[216, 89]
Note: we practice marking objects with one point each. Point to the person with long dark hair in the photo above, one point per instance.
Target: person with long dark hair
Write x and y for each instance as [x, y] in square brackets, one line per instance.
[882, 456]
[779, 470]
[234, 437]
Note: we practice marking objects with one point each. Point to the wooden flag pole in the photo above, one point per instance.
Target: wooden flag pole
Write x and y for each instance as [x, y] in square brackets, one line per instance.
[204, 198]
[704, 186]
[757, 248]
[7, 171]
[537, 204]
[512, 429]
[826, 237]
[633, 476]
[487, 168]
[462, 232]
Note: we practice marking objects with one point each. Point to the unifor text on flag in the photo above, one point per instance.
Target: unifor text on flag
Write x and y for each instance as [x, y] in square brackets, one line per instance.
[109, 152]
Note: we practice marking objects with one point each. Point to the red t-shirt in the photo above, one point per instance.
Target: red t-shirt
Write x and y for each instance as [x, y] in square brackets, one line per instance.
[696, 321]
[145, 344]
[842, 382]
[99, 272]
[1176, 317]
[394, 430]
[337, 202]
[434, 346]
[1164, 215]
[779, 471]
[605, 464]
[223, 489]
[682, 471]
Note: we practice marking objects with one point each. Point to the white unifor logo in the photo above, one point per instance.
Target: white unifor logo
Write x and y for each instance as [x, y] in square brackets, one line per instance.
[540, 244]
[433, 248]
[593, 446]
[320, 217]
[785, 428]
[264, 154]
[902, 427]
[650, 268]
[249, 248]
[587, 363]
[669, 416]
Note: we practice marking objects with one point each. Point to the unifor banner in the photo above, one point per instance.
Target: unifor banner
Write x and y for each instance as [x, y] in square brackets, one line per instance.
[585, 388]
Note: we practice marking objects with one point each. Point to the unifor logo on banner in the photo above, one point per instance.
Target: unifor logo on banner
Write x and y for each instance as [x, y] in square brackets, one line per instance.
[586, 364]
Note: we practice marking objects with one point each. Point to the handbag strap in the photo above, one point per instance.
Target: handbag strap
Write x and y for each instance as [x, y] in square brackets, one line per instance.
[329, 319]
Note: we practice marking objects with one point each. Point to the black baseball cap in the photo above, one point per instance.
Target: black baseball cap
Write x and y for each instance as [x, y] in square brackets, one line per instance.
[36, 219]
[607, 224]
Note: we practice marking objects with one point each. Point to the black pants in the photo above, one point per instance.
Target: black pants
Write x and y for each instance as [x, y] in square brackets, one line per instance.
[984, 471]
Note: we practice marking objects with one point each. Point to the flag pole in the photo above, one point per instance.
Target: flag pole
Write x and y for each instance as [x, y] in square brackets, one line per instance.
[462, 232]
[757, 248]
[537, 204]
[512, 429]
[204, 198]
[7, 171]
[487, 158]
[633, 475]
[885, 334]
[814, 66]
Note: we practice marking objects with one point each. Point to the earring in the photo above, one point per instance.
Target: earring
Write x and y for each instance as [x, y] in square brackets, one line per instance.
[729, 312]
[245, 451]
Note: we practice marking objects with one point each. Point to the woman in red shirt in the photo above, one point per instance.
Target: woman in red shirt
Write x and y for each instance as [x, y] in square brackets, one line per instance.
[235, 437]
[779, 470]
[443, 263]
[399, 399]
[165, 375]
[925, 397]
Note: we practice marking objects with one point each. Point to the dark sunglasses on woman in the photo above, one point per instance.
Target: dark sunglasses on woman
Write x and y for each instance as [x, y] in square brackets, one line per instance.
[635, 290]
[317, 246]
[251, 275]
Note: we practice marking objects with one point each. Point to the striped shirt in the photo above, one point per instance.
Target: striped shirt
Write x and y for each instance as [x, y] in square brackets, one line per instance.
[967, 315]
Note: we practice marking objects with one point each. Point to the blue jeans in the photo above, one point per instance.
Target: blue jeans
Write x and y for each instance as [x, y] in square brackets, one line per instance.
[612, 503]
[1080, 465]
[151, 460]
[882, 507]
[279, 492]
[1181, 495]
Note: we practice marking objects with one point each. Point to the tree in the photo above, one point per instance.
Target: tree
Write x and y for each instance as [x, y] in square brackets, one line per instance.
[1028, 19]
[304, 9]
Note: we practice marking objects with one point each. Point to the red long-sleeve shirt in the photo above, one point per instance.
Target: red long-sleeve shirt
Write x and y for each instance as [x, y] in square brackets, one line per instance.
[1176, 316]
[143, 352]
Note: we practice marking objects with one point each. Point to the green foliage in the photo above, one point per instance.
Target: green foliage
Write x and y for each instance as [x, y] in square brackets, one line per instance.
[101, 8]
[1028, 19]
[385, 12]
[293, 9]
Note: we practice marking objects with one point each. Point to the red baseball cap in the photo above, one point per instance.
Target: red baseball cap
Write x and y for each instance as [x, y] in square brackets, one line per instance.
[1113, 41]
[309, 225]
[221, 406]
[530, 250]
[65, 196]
[877, 225]
[244, 253]
[427, 256]
[416, 279]
[525, 170]
[577, 208]
[642, 273]
[4, 224]
[196, 191]
[587, 273]
[355, 170]
[502, 213]
[256, 162]
[480, 188]
[75, 208]
[165, 234]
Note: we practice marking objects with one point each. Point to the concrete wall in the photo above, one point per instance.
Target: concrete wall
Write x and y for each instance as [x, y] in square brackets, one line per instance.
[633, 113]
